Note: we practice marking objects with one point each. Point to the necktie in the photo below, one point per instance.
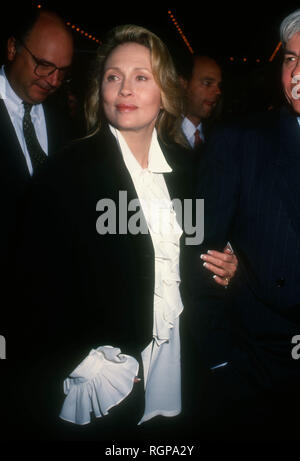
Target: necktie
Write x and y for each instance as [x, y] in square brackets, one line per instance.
[198, 139]
[37, 155]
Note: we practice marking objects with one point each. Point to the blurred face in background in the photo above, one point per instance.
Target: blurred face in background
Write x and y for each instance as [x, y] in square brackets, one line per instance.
[203, 89]
[131, 97]
[290, 76]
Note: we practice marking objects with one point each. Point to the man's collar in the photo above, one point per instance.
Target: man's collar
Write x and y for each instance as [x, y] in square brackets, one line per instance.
[190, 126]
[189, 129]
[15, 102]
[6, 90]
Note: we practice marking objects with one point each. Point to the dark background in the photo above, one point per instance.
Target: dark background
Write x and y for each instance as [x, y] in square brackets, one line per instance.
[246, 32]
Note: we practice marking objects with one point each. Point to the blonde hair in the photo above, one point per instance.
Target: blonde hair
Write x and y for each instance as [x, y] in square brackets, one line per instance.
[169, 119]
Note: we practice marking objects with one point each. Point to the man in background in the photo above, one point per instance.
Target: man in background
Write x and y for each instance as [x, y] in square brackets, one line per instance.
[249, 180]
[201, 81]
[39, 56]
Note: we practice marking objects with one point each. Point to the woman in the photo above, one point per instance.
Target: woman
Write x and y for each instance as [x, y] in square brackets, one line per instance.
[108, 262]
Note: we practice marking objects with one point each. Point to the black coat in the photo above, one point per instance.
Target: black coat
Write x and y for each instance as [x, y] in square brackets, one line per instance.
[14, 176]
[250, 183]
[82, 289]
[14, 182]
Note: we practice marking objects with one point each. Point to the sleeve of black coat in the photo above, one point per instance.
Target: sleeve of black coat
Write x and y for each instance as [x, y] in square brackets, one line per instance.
[207, 303]
[44, 273]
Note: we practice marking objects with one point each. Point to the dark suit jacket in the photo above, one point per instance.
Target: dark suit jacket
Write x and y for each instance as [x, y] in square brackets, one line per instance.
[250, 183]
[196, 153]
[90, 289]
[14, 180]
[14, 176]
[14, 171]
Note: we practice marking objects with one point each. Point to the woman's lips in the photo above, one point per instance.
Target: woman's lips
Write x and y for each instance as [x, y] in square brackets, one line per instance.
[126, 107]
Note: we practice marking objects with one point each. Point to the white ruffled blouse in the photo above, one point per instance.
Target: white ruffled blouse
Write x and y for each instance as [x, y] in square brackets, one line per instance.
[106, 376]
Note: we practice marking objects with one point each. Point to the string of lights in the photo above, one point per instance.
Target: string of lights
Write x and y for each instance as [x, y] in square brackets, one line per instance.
[80, 30]
[92, 37]
[179, 29]
[243, 59]
[275, 51]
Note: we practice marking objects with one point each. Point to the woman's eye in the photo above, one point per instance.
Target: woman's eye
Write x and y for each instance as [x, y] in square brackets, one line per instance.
[112, 78]
[141, 77]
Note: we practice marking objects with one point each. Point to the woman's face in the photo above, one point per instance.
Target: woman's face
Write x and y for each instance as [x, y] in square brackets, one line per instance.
[131, 96]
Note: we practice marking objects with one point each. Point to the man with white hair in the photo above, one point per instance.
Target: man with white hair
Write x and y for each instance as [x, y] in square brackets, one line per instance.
[290, 38]
[250, 181]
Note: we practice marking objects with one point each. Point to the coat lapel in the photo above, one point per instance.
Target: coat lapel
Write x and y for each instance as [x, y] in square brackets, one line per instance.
[112, 160]
[59, 127]
[12, 157]
[178, 181]
[117, 181]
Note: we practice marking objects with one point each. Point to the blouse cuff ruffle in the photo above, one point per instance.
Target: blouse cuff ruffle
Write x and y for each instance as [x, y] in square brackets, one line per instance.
[101, 381]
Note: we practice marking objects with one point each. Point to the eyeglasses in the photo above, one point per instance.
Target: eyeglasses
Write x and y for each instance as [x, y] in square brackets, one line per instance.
[45, 69]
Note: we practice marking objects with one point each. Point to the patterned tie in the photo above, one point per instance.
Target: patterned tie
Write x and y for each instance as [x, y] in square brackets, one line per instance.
[198, 140]
[37, 155]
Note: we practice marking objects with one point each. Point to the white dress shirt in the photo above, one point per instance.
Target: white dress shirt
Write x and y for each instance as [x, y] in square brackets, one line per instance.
[89, 384]
[189, 129]
[15, 109]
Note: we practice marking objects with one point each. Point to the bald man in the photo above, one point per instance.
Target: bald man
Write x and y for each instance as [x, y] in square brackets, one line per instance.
[202, 87]
[39, 57]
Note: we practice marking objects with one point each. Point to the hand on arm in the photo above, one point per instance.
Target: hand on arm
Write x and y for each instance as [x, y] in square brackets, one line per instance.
[222, 264]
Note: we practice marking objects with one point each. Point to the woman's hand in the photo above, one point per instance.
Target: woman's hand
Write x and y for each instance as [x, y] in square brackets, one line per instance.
[222, 265]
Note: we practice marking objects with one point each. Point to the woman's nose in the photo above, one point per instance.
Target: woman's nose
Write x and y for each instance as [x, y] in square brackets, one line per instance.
[126, 87]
